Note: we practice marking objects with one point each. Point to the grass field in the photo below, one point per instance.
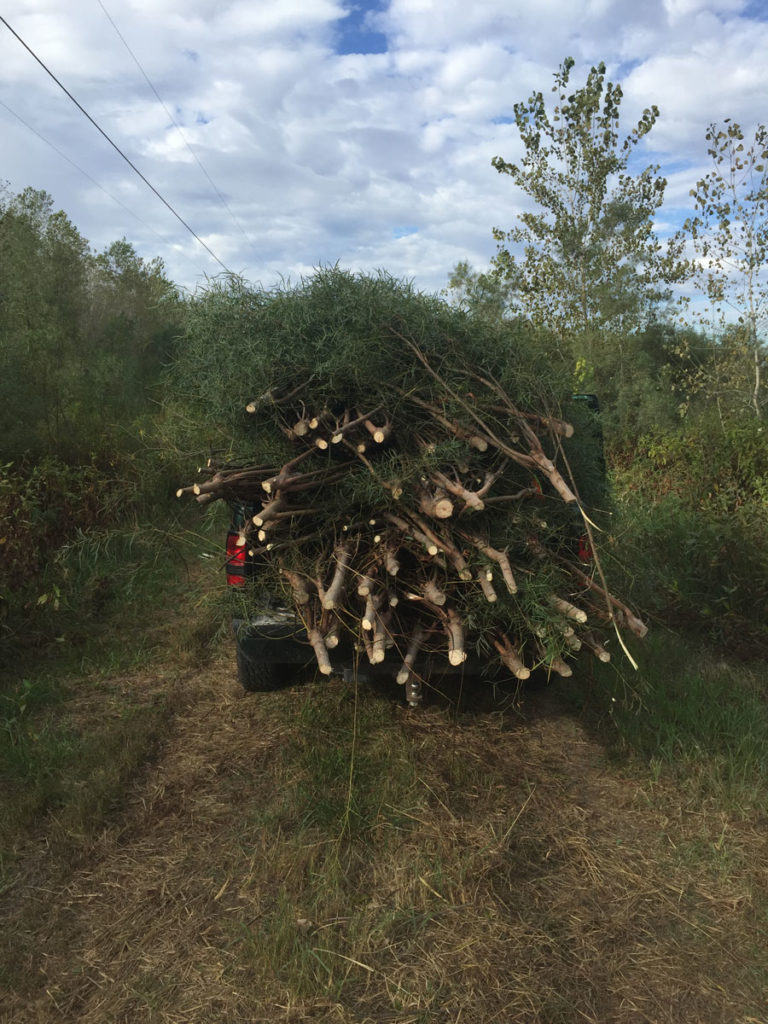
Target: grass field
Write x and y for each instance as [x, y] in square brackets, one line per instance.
[174, 851]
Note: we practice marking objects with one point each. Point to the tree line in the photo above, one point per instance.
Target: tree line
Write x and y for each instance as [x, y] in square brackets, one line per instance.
[82, 334]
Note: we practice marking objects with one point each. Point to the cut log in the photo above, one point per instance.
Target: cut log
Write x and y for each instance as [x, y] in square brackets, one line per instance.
[594, 645]
[407, 528]
[269, 511]
[380, 638]
[567, 609]
[346, 424]
[500, 557]
[455, 629]
[443, 544]
[562, 668]
[437, 505]
[511, 658]
[391, 563]
[433, 593]
[332, 633]
[333, 595]
[372, 606]
[485, 578]
[379, 434]
[321, 651]
[470, 498]
[417, 639]
[637, 626]
[365, 586]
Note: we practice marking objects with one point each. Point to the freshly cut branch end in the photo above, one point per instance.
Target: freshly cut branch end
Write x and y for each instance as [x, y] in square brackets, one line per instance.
[433, 593]
[417, 639]
[568, 609]
[562, 668]
[455, 629]
[321, 651]
[511, 658]
[487, 586]
[591, 641]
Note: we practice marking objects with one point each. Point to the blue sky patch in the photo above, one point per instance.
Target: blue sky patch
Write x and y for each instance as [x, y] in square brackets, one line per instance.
[624, 70]
[357, 32]
[403, 230]
[755, 9]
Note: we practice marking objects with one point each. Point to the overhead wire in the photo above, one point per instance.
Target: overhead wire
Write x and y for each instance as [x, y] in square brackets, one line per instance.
[173, 120]
[77, 167]
[114, 145]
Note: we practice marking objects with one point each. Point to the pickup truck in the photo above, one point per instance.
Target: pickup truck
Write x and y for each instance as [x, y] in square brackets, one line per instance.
[272, 645]
[271, 642]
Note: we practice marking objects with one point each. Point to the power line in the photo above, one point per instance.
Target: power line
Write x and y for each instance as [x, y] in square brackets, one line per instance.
[114, 145]
[77, 167]
[176, 125]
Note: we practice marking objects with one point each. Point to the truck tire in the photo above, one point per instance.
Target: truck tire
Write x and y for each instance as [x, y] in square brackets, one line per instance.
[262, 676]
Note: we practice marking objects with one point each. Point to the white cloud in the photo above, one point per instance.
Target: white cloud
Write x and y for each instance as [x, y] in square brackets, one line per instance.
[376, 160]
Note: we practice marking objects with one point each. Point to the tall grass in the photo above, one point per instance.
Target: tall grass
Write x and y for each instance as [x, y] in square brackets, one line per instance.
[407, 863]
[53, 761]
[688, 715]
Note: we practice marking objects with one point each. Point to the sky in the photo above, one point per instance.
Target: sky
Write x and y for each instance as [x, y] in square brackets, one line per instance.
[290, 134]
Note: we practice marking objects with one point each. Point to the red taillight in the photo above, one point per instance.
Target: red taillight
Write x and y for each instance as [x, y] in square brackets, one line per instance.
[585, 549]
[236, 560]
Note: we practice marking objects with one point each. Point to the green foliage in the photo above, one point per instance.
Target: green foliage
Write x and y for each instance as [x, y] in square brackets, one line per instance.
[692, 516]
[82, 340]
[48, 764]
[729, 237]
[76, 542]
[693, 718]
[82, 337]
[591, 262]
[337, 333]
[486, 295]
[583, 261]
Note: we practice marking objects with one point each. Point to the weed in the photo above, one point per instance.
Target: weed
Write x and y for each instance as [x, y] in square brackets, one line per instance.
[323, 853]
[693, 717]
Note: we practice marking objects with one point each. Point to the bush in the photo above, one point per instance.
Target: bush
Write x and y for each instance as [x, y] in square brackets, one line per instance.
[692, 519]
[48, 511]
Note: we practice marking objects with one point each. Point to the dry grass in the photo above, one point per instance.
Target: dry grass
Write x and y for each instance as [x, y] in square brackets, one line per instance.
[480, 869]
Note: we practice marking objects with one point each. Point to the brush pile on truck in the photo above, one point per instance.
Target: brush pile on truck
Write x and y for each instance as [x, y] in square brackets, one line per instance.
[408, 495]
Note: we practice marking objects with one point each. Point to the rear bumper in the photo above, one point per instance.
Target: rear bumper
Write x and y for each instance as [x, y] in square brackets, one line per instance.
[280, 639]
[277, 640]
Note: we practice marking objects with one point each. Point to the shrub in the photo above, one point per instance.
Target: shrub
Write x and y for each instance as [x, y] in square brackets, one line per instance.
[692, 519]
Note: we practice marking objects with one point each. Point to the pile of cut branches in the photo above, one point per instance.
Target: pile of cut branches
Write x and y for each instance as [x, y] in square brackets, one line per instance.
[409, 501]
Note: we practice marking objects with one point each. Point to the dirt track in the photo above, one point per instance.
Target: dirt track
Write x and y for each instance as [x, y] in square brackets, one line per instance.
[569, 881]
